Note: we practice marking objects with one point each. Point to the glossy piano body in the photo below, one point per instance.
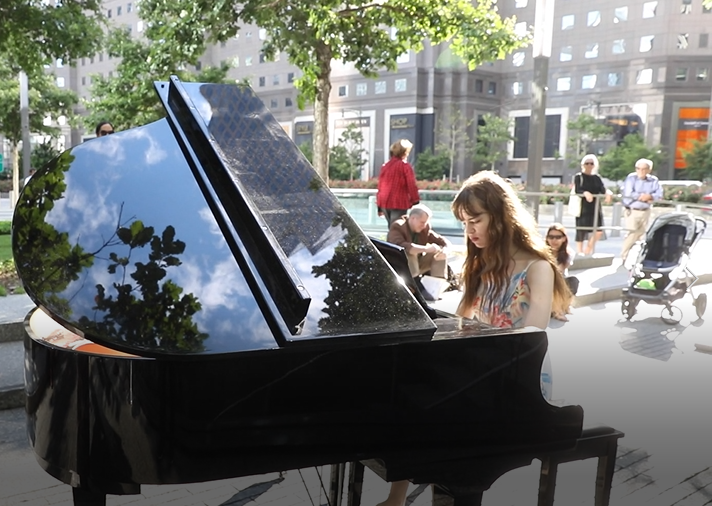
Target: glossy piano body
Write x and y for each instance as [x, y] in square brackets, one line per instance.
[249, 324]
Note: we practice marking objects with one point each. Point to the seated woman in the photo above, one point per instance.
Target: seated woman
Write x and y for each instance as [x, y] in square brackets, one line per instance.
[558, 242]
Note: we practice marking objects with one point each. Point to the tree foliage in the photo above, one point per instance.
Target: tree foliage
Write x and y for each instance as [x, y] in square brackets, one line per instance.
[347, 157]
[620, 161]
[431, 167]
[698, 161]
[33, 33]
[584, 131]
[128, 98]
[492, 137]
[452, 134]
[370, 35]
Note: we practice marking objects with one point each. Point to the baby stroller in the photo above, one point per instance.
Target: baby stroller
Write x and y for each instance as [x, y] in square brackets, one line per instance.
[660, 275]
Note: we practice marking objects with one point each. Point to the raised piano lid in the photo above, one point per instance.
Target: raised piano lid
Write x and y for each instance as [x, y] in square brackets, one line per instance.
[204, 233]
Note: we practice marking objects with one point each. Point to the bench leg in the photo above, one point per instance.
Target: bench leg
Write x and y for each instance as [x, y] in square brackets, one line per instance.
[442, 497]
[547, 482]
[604, 474]
[355, 484]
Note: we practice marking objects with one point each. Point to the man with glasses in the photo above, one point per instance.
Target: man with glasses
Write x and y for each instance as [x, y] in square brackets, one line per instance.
[104, 128]
[640, 189]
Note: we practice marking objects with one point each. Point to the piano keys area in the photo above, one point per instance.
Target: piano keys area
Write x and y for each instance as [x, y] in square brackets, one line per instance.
[217, 314]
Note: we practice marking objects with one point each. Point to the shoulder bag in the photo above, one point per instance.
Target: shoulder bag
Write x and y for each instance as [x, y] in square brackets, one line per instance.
[574, 206]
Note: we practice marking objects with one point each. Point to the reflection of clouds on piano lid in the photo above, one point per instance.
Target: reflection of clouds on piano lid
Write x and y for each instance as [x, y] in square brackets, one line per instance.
[113, 151]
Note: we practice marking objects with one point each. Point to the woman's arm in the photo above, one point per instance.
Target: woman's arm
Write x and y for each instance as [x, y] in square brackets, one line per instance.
[540, 278]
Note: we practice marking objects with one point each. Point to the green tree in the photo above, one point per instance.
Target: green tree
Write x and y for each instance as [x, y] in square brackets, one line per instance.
[347, 157]
[431, 167]
[452, 133]
[620, 161]
[307, 151]
[698, 161]
[492, 137]
[41, 155]
[583, 132]
[128, 98]
[371, 35]
[33, 33]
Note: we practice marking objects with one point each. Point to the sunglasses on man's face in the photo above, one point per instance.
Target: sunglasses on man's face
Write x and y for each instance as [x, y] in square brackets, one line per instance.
[555, 237]
[102, 133]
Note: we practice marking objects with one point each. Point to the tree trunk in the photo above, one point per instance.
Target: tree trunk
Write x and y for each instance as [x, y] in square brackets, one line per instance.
[15, 175]
[452, 151]
[321, 112]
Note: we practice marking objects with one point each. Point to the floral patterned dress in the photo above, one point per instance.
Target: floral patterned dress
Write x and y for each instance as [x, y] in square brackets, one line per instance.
[511, 308]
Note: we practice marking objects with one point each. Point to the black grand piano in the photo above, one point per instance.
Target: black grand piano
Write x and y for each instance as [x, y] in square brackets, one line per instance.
[207, 309]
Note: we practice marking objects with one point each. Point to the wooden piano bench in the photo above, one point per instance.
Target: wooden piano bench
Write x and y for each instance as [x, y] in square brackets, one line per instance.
[600, 441]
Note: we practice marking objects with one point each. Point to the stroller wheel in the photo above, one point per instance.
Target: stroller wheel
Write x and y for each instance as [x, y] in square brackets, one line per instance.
[701, 304]
[628, 308]
[671, 315]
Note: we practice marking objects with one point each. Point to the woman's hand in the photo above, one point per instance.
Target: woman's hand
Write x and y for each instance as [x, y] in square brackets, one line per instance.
[588, 196]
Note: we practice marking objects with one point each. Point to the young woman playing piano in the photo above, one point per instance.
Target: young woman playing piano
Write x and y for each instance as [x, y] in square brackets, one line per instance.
[510, 277]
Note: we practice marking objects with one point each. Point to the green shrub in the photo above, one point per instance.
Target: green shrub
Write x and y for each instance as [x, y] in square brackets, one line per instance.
[5, 227]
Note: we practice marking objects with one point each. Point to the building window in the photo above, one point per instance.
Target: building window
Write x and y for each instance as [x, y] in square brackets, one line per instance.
[108, 13]
[400, 85]
[262, 34]
[199, 65]
[343, 91]
[288, 102]
[248, 35]
[593, 18]
[262, 57]
[129, 7]
[683, 40]
[552, 134]
[491, 88]
[644, 76]
[591, 50]
[479, 86]
[520, 4]
[518, 59]
[588, 82]
[686, 7]
[380, 87]
[403, 58]
[235, 62]
[681, 74]
[563, 84]
[567, 22]
[517, 88]
[649, 9]
[290, 77]
[262, 81]
[118, 11]
[619, 46]
[704, 40]
[139, 26]
[706, 9]
[566, 53]
[273, 104]
[60, 82]
[248, 61]
[275, 80]
[620, 14]
[702, 73]
[646, 43]
[101, 56]
[84, 80]
[615, 78]
[361, 89]
[521, 28]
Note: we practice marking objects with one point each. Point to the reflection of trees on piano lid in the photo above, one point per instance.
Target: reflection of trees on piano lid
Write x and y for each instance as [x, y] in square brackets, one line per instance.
[363, 290]
[155, 312]
[45, 260]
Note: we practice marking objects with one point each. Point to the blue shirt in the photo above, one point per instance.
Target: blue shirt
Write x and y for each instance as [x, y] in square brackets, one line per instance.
[634, 187]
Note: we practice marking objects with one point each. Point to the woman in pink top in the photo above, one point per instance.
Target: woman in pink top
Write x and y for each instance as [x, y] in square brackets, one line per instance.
[510, 276]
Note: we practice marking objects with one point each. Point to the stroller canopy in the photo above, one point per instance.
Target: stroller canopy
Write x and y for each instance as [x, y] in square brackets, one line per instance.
[687, 220]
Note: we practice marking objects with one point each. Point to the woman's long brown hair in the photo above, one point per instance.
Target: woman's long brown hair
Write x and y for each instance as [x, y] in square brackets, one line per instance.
[511, 227]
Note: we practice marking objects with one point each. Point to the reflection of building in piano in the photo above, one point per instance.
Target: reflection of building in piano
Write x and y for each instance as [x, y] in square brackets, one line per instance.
[211, 215]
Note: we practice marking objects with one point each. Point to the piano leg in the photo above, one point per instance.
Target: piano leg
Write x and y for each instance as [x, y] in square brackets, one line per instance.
[338, 472]
[356, 470]
[84, 497]
[445, 497]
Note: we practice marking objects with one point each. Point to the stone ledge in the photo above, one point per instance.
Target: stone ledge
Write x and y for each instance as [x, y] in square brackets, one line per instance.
[589, 262]
[12, 331]
[12, 397]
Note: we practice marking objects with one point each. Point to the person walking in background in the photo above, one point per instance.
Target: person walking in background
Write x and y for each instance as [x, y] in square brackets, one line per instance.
[104, 128]
[588, 183]
[640, 189]
[510, 278]
[425, 249]
[397, 189]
